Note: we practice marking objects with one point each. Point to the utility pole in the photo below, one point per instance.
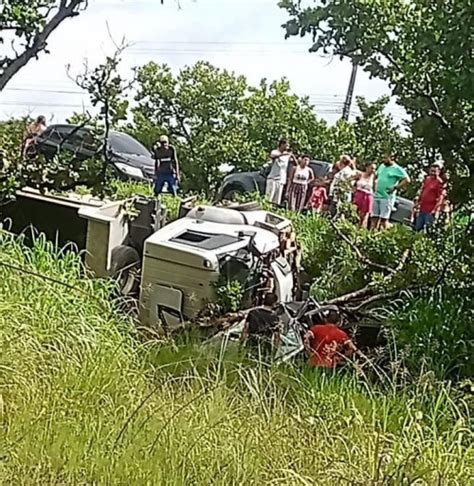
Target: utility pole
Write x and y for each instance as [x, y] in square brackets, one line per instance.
[350, 93]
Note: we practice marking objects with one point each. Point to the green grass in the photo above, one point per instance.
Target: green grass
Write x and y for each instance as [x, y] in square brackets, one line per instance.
[85, 400]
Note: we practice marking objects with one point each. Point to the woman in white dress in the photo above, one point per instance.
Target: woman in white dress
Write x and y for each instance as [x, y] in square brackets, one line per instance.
[300, 178]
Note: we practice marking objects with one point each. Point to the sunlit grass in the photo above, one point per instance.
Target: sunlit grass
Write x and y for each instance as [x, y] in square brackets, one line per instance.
[85, 400]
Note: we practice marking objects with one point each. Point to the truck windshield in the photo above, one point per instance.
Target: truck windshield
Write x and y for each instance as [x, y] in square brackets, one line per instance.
[125, 144]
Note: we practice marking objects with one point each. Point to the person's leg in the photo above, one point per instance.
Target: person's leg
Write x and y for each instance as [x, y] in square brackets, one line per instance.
[385, 210]
[429, 219]
[364, 220]
[376, 215]
[419, 222]
[270, 190]
[159, 184]
[172, 184]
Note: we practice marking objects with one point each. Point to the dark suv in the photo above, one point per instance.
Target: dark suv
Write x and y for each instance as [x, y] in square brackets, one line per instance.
[130, 158]
[247, 182]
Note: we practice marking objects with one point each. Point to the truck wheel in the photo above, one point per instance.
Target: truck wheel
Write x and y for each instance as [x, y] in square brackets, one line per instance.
[126, 269]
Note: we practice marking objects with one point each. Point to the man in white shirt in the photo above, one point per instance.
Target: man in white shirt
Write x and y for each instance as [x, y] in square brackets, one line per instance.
[278, 175]
[336, 190]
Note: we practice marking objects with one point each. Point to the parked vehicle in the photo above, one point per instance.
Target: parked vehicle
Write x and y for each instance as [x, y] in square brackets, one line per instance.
[130, 158]
[250, 182]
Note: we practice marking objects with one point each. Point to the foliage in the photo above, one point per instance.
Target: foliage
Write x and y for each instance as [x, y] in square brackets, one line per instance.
[229, 295]
[216, 118]
[83, 402]
[199, 109]
[11, 136]
[65, 171]
[423, 49]
[27, 27]
[435, 332]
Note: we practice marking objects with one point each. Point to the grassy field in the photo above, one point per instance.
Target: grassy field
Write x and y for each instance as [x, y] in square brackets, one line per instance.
[85, 400]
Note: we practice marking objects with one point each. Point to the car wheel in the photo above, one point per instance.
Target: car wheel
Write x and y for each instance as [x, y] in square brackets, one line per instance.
[125, 269]
[232, 193]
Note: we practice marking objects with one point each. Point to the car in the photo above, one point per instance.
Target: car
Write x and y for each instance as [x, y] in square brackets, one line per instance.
[130, 158]
[250, 182]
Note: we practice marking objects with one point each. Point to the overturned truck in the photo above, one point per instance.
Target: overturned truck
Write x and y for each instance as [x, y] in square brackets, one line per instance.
[175, 269]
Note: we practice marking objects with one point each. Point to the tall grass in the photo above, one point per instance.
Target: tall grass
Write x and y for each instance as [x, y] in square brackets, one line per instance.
[85, 400]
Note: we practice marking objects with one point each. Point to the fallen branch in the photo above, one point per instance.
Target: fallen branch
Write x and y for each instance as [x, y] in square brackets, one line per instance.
[360, 256]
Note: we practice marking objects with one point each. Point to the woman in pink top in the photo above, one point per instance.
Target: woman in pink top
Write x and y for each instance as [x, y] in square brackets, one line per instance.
[364, 193]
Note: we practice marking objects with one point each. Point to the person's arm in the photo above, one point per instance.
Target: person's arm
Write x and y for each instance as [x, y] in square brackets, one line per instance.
[404, 180]
[178, 171]
[440, 201]
[403, 183]
[155, 158]
[416, 208]
[307, 342]
[311, 175]
[245, 333]
[289, 180]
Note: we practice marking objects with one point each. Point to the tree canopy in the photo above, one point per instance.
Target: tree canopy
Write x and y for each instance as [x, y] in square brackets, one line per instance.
[423, 49]
[215, 117]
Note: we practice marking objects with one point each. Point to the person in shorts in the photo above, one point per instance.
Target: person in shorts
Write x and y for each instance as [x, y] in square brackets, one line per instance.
[390, 178]
[364, 194]
[166, 167]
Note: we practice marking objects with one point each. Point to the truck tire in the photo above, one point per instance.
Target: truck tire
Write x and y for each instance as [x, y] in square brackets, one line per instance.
[125, 269]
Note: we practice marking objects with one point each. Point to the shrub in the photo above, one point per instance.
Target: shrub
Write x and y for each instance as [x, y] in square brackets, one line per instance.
[435, 332]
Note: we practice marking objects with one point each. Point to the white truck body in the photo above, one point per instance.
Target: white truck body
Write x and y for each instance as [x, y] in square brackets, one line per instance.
[183, 262]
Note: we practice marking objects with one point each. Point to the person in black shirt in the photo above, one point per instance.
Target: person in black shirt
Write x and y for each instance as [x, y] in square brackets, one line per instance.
[166, 166]
[262, 326]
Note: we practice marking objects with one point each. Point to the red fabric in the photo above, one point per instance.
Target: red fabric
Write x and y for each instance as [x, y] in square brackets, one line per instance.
[364, 202]
[328, 342]
[431, 192]
[318, 198]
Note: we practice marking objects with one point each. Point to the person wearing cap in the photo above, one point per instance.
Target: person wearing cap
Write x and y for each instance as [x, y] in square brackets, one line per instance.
[430, 198]
[166, 166]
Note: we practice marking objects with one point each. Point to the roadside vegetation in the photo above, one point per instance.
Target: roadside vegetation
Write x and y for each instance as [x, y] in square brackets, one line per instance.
[87, 396]
[85, 399]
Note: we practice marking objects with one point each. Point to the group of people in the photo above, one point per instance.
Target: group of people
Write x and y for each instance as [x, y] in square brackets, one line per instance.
[373, 190]
[327, 345]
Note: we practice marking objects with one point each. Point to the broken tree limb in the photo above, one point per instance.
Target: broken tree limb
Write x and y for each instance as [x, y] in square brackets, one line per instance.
[360, 256]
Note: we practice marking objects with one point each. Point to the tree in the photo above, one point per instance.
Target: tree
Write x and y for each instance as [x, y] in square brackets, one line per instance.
[27, 25]
[216, 118]
[423, 49]
[66, 171]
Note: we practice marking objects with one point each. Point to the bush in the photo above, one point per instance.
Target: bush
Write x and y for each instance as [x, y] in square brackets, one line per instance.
[435, 332]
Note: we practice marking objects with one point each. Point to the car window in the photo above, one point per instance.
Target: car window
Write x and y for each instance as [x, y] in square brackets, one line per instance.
[52, 134]
[125, 144]
[320, 169]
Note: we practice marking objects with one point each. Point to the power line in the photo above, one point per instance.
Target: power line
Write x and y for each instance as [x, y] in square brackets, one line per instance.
[40, 90]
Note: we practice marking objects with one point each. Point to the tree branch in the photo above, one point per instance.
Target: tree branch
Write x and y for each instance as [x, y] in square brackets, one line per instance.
[360, 256]
[66, 10]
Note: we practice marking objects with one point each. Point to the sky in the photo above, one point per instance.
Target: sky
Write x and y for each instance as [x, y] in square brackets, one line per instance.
[244, 36]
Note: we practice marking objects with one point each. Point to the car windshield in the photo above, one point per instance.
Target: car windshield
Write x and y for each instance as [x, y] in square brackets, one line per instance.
[125, 144]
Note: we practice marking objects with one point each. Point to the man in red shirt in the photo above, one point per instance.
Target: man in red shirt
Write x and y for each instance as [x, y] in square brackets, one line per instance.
[327, 344]
[430, 199]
